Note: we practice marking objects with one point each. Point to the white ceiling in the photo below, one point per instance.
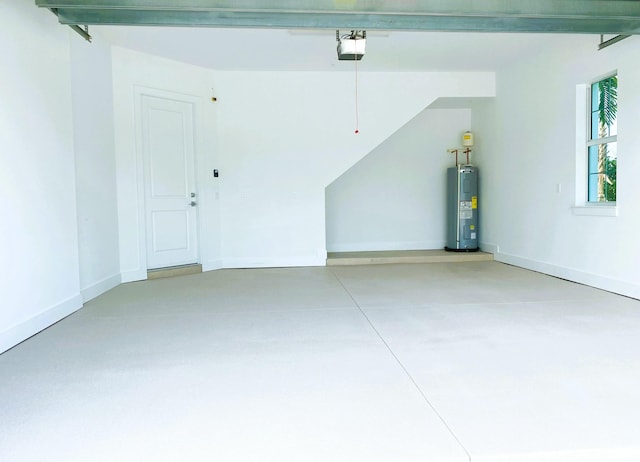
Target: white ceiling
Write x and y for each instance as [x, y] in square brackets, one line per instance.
[315, 50]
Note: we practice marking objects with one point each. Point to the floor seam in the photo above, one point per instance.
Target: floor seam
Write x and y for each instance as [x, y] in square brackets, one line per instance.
[404, 369]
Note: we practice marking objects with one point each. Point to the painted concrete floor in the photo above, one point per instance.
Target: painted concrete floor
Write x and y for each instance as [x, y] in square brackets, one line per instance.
[425, 362]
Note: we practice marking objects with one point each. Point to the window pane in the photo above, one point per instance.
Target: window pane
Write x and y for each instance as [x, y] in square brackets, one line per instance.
[595, 124]
[602, 159]
[595, 117]
[609, 103]
[613, 127]
[610, 172]
[593, 173]
[604, 108]
[595, 97]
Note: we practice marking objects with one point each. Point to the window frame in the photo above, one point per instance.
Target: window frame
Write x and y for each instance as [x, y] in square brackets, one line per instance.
[596, 141]
[582, 206]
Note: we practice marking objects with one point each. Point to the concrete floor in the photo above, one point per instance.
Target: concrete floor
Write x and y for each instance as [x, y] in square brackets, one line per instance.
[419, 362]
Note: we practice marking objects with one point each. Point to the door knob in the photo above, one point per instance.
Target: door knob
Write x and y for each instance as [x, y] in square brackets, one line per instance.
[193, 194]
[193, 203]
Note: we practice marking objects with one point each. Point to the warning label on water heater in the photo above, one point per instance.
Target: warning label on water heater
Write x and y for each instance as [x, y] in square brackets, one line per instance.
[474, 202]
[466, 210]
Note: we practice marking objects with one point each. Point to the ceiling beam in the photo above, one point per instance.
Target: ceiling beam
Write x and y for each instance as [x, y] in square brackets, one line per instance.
[571, 16]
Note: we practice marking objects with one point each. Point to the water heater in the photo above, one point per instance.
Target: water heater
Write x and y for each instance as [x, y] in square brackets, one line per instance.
[462, 208]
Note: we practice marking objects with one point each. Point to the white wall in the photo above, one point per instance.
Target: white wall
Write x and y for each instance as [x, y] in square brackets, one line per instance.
[285, 136]
[134, 72]
[92, 96]
[486, 142]
[39, 235]
[533, 150]
[395, 197]
[278, 139]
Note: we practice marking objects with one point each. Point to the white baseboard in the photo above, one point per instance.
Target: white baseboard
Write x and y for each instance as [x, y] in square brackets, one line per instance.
[488, 247]
[100, 287]
[141, 275]
[272, 262]
[594, 280]
[379, 246]
[134, 275]
[211, 265]
[629, 454]
[20, 332]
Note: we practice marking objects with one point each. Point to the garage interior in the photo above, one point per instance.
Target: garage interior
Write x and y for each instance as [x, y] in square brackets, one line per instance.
[272, 350]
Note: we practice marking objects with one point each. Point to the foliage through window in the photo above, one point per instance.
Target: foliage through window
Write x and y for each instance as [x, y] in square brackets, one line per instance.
[603, 140]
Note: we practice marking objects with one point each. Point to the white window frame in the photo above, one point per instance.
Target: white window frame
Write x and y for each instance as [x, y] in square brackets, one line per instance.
[582, 205]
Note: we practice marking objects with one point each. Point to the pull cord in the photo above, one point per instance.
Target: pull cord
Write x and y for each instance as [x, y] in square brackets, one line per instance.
[355, 58]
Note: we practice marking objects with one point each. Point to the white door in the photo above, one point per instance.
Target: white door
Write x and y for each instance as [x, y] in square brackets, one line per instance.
[169, 182]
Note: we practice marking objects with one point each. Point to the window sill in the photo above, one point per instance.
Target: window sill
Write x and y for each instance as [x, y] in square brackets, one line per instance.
[596, 210]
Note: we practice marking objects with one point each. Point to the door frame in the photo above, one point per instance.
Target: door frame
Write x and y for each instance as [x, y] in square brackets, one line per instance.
[139, 93]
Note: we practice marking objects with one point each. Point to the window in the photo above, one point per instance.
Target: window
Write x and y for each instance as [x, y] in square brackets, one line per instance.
[602, 146]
